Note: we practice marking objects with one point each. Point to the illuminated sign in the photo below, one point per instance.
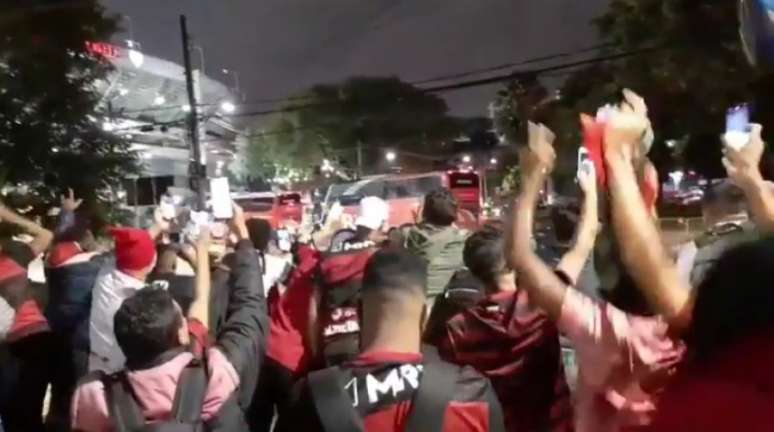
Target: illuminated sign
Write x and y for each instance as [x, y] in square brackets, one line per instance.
[103, 49]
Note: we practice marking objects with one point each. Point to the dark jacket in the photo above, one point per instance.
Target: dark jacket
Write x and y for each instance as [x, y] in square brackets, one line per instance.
[69, 299]
[240, 331]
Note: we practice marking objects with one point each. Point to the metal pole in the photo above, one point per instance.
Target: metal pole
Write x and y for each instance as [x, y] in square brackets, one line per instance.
[359, 159]
[197, 171]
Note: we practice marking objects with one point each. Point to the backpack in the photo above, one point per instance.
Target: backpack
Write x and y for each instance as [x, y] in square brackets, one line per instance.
[441, 248]
[428, 407]
[186, 407]
[339, 279]
[463, 291]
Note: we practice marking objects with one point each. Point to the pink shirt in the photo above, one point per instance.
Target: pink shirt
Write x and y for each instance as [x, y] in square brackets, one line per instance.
[622, 360]
[155, 391]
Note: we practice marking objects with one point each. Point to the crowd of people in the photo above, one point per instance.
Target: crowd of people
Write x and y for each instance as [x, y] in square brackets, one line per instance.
[358, 327]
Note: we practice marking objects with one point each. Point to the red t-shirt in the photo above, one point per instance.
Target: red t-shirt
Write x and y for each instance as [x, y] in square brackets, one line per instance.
[517, 347]
[381, 386]
[290, 317]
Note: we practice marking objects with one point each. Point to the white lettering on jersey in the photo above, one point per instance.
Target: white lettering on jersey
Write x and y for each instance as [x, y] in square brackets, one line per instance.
[352, 388]
[343, 328]
[395, 382]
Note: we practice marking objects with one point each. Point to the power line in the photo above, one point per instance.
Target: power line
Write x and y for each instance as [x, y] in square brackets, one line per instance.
[471, 83]
[510, 65]
[438, 78]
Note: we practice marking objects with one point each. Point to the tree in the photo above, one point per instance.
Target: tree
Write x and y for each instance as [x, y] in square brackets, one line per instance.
[694, 72]
[51, 135]
[333, 120]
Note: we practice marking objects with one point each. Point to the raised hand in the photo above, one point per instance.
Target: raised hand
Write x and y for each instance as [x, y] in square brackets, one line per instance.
[742, 165]
[238, 224]
[69, 203]
[623, 134]
[539, 156]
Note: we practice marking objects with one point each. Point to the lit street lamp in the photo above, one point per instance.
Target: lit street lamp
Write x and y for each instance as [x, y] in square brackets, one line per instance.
[227, 107]
[466, 159]
[390, 156]
[493, 161]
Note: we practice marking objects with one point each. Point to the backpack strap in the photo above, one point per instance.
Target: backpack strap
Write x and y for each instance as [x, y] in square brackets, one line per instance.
[334, 407]
[190, 392]
[126, 415]
[436, 390]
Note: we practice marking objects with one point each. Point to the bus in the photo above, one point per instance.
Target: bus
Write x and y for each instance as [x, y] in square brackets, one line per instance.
[405, 194]
[277, 208]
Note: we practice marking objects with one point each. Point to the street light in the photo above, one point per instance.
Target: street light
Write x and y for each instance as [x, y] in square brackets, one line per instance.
[235, 74]
[493, 161]
[199, 49]
[390, 156]
[227, 107]
[466, 159]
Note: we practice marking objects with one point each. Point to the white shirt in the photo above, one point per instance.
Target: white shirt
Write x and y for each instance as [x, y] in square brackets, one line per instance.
[7, 315]
[111, 288]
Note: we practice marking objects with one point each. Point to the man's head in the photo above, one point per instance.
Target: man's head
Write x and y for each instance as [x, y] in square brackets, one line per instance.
[735, 299]
[135, 252]
[484, 257]
[393, 293]
[723, 201]
[564, 220]
[148, 324]
[260, 233]
[81, 233]
[440, 207]
[167, 259]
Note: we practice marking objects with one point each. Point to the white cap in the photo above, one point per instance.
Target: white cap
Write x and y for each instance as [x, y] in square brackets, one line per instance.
[373, 213]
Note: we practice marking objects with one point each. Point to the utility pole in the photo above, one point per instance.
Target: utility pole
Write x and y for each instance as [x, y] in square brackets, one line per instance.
[359, 159]
[197, 170]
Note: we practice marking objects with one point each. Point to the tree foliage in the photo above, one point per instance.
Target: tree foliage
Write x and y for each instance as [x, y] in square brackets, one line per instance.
[331, 120]
[694, 72]
[50, 135]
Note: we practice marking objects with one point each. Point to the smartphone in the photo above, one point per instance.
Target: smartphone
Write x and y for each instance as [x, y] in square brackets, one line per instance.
[220, 197]
[585, 164]
[738, 126]
[167, 207]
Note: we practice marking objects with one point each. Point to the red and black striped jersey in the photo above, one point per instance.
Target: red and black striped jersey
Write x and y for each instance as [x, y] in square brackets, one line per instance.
[517, 347]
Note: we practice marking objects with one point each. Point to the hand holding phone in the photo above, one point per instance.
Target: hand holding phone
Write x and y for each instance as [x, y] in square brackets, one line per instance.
[737, 126]
[220, 196]
[585, 164]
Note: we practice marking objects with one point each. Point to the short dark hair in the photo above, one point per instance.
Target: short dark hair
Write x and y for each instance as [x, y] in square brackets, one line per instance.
[260, 233]
[483, 253]
[440, 207]
[735, 299]
[81, 231]
[147, 324]
[725, 198]
[564, 220]
[394, 271]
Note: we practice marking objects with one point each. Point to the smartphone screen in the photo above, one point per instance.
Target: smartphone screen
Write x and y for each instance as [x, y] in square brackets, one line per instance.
[738, 126]
[220, 196]
[585, 164]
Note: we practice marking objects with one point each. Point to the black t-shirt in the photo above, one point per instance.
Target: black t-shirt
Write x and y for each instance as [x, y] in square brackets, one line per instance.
[381, 387]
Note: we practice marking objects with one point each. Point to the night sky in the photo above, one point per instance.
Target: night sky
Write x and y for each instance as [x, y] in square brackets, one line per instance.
[281, 47]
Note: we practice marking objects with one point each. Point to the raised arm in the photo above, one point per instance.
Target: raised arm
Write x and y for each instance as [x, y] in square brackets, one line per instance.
[573, 262]
[546, 290]
[743, 169]
[42, 237]
[642, 251]
[200, 308]
[243, 335]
